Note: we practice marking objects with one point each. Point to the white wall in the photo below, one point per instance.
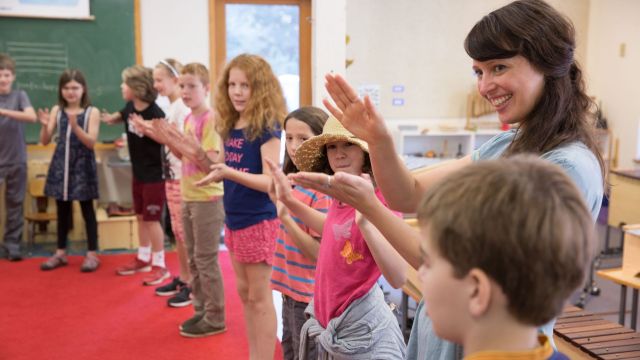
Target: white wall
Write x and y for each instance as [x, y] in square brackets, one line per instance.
[180, 29]
[175, 29]
[612, 78]
[328, 48]
[419, 44]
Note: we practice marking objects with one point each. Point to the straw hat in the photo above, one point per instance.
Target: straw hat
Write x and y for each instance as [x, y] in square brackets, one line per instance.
[310, 155]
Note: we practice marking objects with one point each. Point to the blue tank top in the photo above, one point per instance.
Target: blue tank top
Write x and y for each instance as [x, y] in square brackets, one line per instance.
[244, 206]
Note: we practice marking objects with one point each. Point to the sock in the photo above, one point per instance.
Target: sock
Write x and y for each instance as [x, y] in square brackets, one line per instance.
[158, 259]
[144, 253]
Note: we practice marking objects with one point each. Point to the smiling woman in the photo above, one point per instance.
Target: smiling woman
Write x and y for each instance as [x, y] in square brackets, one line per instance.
[529, 74]
[513, 86]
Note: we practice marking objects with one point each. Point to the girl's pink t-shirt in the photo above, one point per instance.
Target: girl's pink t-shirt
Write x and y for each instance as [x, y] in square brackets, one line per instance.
[345, 269]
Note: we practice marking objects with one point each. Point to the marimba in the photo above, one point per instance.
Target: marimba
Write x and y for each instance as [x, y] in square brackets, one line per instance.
[583, 335]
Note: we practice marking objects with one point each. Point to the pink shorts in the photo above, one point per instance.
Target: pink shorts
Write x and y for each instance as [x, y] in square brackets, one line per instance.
[253, 244]
[174, 202]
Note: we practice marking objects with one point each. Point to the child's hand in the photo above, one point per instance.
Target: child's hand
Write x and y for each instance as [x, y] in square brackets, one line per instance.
[281, 183]
[357, 115]
[43, 116]
[360, 219]
[283, 212]
[73, 120]
[108, 118]
[217, 174]
[138, 123]
[354, 190]
[105, 117]
[272, 192]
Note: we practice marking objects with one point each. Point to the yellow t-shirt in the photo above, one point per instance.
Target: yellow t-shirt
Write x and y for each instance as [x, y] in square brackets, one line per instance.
[202, 129]
[542, 352]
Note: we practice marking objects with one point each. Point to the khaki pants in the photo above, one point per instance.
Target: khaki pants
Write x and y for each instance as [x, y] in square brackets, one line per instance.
[203, 222]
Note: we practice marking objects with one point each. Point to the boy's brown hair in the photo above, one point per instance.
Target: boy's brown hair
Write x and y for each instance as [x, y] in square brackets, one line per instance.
[523, 222]
[140, 80]
[198, 70]
[7, 63]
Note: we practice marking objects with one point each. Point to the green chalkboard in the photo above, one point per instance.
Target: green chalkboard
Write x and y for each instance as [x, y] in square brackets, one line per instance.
[100, 48]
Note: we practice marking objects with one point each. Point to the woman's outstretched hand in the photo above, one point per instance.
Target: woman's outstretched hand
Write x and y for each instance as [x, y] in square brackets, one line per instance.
[358, 115]
[357, 191]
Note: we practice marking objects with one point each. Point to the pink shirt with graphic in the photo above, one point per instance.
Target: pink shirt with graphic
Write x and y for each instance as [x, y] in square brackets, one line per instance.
[345, 269]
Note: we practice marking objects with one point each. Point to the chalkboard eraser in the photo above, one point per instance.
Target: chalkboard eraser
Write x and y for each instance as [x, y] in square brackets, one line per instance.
[107, 141]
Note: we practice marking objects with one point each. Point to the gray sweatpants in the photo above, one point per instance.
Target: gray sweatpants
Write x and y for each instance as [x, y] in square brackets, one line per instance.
[15, 179]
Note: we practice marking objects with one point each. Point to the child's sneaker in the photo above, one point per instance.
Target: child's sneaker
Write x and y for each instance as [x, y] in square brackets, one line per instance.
[136, 265]
[201, 329]
[171, 288]
[54, 262]
[181, 299]
[158, 275]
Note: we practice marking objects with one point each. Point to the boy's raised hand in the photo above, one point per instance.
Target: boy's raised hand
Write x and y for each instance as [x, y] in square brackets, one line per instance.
[357, 115]
[108, 118]
[43, 116]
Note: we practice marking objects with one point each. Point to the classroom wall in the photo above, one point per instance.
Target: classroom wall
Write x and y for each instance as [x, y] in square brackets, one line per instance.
[177, 29]
[419, 45]
[613, 78]
[181, 30]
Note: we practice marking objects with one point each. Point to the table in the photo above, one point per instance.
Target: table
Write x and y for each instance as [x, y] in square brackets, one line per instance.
[623, 200]
[625, 280]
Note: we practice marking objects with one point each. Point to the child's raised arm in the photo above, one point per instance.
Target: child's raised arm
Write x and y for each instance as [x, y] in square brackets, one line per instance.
[357, 192]
[391, 264]
[26, 114]
[259, 182]
[89, 137]
[48, 121]
[110, 119]
[282, 187]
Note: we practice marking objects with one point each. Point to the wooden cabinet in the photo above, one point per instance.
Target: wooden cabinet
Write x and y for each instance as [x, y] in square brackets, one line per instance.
[116, 232]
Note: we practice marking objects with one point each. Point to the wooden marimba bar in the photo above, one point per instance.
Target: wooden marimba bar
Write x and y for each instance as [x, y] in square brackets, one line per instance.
[596, 337]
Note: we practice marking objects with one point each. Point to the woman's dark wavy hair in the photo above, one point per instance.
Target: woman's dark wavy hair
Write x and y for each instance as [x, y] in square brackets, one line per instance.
[312, 116]
[546, 38]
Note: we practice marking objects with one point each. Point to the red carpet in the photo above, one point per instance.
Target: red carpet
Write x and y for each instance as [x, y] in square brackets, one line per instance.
[65, 314]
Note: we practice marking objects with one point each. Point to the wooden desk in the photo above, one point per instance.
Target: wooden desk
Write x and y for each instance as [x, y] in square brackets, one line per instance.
[624, 280]
[624, 199]
[626, 275]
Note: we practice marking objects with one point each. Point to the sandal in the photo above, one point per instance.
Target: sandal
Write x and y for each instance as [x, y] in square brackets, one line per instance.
[54, 262]
[90, 263]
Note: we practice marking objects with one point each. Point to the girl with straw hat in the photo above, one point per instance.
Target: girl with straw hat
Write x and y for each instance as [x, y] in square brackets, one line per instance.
[349, 317]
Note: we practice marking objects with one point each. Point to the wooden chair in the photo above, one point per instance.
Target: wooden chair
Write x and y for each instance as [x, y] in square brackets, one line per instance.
[38, 218]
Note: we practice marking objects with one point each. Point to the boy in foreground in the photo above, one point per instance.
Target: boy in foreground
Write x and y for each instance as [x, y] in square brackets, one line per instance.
[505, 243]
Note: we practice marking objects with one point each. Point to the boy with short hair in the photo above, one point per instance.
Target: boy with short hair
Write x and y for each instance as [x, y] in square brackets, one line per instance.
[148, 182]
[15, 110]
[199, 147]
[505, 243]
